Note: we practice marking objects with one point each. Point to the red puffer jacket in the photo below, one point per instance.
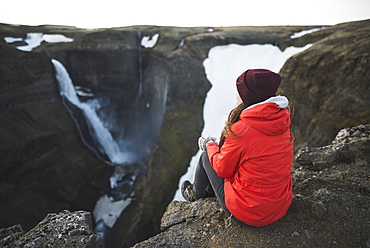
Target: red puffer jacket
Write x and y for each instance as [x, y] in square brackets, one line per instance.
[257, 165]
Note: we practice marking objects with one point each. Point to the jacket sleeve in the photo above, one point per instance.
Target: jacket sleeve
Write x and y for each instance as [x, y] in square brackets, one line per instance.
[226, 161]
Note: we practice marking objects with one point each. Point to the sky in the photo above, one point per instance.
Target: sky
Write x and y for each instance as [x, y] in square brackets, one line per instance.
[190, 13]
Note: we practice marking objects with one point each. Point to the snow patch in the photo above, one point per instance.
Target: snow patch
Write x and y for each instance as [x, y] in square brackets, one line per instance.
[11, 39]
[34, 40]
[149, 42]
[109, 211]
[182, 42]
[304, 32]
[56, 38]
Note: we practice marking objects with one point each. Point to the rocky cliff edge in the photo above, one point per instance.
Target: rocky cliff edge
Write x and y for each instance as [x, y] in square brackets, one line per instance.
[64, 229]
[330, 208]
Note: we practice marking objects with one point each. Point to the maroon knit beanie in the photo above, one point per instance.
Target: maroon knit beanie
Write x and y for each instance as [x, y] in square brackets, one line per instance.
[257, 85]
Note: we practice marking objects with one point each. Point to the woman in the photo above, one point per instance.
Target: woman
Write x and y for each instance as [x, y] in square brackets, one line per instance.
[249, 171]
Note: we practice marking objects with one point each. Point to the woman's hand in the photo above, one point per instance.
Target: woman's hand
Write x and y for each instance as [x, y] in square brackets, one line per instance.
[202, 142]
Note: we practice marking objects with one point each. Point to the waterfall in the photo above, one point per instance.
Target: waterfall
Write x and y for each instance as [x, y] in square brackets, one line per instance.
[108, 208]
[96, 126]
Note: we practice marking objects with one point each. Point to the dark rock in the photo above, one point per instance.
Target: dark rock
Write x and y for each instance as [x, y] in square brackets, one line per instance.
[64, 229]
[328, 84]
[10, 234]
[326, 211]
[319, 211]
[351, 145]
[43, 161]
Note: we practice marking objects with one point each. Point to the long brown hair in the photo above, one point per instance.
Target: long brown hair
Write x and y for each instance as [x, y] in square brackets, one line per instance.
[233, 117]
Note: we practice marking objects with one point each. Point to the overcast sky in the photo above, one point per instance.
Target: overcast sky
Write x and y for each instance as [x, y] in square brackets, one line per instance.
[115, 13]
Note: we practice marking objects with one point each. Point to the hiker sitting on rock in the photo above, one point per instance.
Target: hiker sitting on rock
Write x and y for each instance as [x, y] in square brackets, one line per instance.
[249, 171]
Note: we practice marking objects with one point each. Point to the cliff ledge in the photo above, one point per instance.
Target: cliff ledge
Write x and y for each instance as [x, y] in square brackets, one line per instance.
[331, 203]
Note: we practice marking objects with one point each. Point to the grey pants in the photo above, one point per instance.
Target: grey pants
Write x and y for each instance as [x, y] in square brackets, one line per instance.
[206, 176]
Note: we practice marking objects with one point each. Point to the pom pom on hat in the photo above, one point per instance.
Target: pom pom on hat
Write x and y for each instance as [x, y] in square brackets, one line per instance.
[257, 85]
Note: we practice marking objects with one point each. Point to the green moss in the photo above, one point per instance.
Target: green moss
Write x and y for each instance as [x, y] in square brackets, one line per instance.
[167, 177]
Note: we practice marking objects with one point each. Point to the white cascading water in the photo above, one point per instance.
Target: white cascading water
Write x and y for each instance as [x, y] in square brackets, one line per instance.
[107, 209]
[102, 134]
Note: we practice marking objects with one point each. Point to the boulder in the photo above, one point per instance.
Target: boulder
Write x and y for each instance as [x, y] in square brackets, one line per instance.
[60, 230]
[349, 146]
[330, 206]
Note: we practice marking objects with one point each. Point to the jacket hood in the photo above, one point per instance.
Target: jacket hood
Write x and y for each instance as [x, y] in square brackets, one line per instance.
[269, 117]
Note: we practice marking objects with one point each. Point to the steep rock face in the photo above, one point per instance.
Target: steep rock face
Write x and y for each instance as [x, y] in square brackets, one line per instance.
[330, 205]
[329, 84]
[64, 229]
[43, 166]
